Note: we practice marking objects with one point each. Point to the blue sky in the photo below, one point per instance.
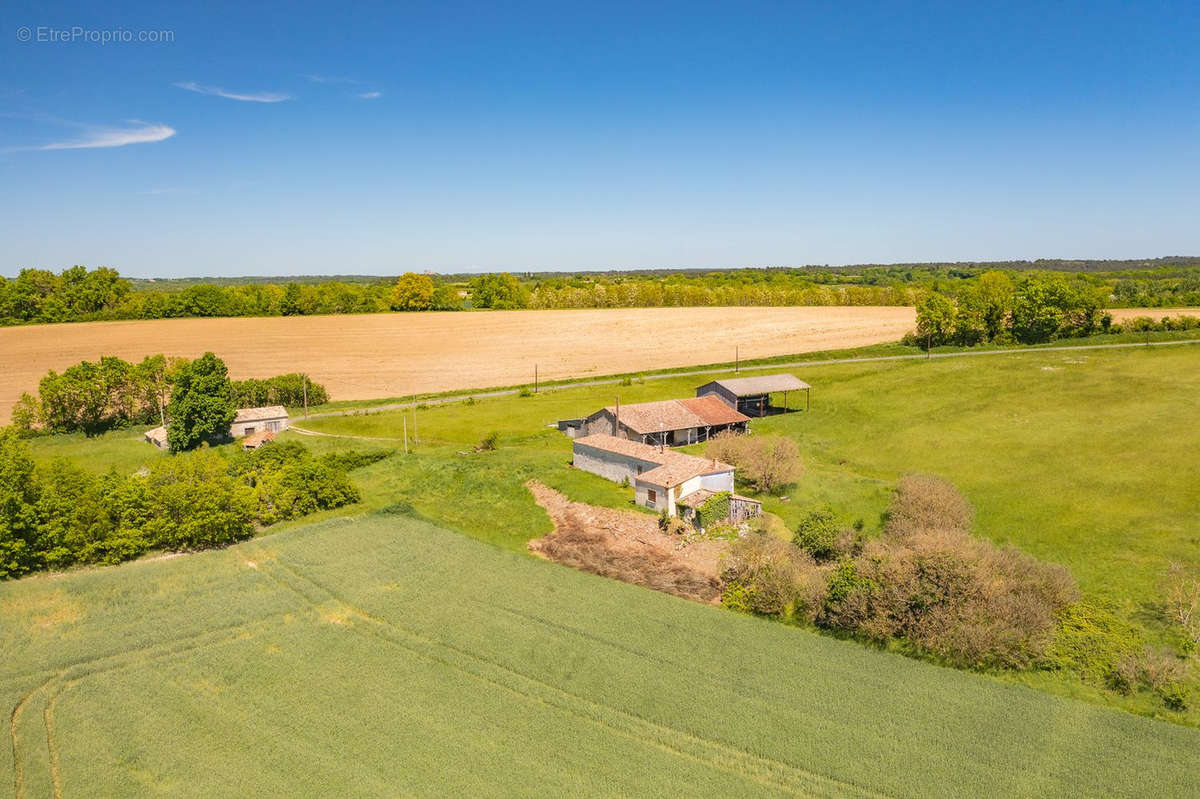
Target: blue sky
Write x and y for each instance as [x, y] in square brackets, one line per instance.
[373, 139]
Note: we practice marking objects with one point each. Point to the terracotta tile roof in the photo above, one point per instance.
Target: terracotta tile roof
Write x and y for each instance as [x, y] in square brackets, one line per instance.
[260, 414]
[623, 446]
[713, 411]
[765, 384]
[682, 467]
[652, 417]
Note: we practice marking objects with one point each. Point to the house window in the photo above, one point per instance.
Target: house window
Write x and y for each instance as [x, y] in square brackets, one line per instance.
[273, 427]
[247, 430]
[651, 497]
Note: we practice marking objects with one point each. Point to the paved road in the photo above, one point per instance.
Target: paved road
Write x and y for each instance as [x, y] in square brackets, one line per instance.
[395, 406]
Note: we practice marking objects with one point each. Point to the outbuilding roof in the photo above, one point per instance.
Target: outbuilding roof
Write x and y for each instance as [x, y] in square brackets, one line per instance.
[623, 446]
[673, 467]
[754, 386]
[652, 417]
[711, 410]
[680, 467]
[260, 414]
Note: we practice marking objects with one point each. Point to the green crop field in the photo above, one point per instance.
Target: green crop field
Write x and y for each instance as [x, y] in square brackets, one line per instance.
[384, 656]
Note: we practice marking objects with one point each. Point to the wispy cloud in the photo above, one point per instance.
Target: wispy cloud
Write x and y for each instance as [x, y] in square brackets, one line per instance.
[254, 97]
[370, 95]
[139, 133]
[326, 79]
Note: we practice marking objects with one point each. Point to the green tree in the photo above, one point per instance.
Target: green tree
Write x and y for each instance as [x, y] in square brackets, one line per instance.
[500, 291]
[191, 502]
[202, 405]
[18, 498]
[413, 292]
[936, 316]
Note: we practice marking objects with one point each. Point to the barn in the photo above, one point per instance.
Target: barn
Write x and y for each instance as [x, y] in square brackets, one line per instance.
[751, 396]
[670, 423]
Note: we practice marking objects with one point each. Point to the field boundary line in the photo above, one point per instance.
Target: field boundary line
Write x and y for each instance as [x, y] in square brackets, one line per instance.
[725, 757]
[462, 396]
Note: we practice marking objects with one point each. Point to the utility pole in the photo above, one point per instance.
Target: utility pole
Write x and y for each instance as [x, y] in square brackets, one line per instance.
[416, 438]
[405, 420]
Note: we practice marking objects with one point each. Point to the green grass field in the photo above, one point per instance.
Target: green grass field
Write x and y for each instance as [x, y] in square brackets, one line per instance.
[384, 656]
[1082, 458]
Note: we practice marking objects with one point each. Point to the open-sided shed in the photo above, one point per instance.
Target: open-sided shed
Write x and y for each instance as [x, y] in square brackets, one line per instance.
[752, 395]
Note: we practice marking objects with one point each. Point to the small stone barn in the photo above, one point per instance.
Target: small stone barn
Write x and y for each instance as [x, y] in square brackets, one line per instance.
[248, 422]
[272, 418]
[752, 395]
[670, 423]
[662, 480]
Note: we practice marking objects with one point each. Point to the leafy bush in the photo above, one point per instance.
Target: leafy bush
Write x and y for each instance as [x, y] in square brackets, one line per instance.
[1094, 643]
[488, 442]
[349, 460]
[286, 389]
[818, 534]
[772, 578]
[766, 463]
[922, 503]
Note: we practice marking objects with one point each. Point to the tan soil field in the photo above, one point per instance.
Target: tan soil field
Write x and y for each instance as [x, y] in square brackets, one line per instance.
[390, 355]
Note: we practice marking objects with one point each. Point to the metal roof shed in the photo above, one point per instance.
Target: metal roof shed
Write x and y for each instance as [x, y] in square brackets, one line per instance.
[752, 395]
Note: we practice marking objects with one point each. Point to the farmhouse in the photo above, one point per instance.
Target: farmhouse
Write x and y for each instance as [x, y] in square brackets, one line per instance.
[752, 395]
[662, 480]
[271, 419]
[668, 422]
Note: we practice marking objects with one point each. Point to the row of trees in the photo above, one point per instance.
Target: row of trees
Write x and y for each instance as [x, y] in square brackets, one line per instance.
[79, 294]
[197, 397]
[664, 294]
[995, 308]
[57, 515]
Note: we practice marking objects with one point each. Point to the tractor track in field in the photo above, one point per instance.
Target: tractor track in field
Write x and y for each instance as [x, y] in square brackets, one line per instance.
[774, 774]
[67, 677]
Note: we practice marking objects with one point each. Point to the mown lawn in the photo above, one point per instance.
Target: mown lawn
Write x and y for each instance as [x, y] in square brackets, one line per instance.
[384, 656]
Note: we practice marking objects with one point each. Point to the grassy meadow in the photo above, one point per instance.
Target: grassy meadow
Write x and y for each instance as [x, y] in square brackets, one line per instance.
[449, 667]
[1077, 457]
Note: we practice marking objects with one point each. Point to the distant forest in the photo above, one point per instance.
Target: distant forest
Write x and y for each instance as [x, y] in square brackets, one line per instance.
[80, 294]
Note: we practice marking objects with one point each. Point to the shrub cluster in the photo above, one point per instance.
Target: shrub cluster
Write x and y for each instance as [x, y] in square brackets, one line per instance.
[289, 389]
[765, 463]
[60, 514]
[926, 582]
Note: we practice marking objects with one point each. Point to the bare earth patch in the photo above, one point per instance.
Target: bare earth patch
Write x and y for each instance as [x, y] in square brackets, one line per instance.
[627, 546]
